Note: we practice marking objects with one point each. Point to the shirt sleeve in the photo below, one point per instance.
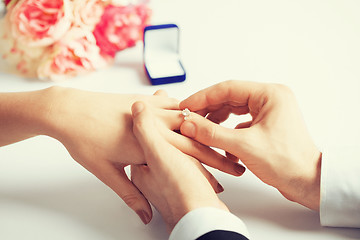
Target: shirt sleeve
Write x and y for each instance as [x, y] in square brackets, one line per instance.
[203, 220]
[340, 187]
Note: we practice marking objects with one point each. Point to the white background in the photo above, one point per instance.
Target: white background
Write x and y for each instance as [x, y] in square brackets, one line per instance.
[310, 45]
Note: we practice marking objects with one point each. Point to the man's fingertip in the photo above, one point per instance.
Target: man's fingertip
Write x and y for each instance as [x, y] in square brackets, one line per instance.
[188, 129]
[137, 108]
[239, 169]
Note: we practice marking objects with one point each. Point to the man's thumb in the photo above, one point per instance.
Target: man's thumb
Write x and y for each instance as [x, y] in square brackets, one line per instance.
[211, 134]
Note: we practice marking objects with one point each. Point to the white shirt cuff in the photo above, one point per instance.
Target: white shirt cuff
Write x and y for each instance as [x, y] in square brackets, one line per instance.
[203, 220]
[340, 187]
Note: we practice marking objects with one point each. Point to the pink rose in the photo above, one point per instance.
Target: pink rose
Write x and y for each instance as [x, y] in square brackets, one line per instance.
[121, 27]
[19, 58]
[40, 22]
[87, 13]
[7, 2]
[74, 54]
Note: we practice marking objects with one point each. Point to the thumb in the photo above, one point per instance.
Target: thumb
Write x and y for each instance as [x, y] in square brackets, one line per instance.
[211, 134]
[146, 132]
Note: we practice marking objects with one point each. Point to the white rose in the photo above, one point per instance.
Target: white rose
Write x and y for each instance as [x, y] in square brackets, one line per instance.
[20, 59]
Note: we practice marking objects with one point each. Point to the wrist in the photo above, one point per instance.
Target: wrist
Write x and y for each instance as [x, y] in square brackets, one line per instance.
[311, 198]
[50, 117]
[22, 115]
[305, 190]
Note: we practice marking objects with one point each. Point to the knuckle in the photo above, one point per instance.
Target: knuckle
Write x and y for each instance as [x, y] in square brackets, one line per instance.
[131, 199]
[209, 134]
[284, 89]
[279, 90]
[209, 98]
[230, 83]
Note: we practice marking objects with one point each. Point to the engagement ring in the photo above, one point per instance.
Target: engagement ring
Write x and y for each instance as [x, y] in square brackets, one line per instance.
[186, 113]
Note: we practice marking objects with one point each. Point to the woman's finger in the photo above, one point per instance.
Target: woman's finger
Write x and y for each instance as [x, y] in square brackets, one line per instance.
[171, 118]
[161, 101]
[218, 188]
[118, 181]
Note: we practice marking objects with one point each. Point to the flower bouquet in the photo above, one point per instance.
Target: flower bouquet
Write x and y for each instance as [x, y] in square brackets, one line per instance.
[57, 39]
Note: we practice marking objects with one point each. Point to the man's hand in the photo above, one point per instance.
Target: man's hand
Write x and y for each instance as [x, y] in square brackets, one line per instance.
[174, 182]
[275, 145]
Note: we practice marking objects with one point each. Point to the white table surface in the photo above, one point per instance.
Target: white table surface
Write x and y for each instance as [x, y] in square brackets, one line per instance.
[311, 45]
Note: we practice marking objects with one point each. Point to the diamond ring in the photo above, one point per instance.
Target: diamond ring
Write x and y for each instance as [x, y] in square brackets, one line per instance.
[186, 113]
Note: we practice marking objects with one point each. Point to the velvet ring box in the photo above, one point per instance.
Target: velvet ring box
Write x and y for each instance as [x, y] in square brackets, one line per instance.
[161, 54]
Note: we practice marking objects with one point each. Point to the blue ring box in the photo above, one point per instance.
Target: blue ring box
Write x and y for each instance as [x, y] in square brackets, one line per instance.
[161, 54]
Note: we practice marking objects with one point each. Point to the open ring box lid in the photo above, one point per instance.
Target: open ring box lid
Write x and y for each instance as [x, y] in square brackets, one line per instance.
[161, 54]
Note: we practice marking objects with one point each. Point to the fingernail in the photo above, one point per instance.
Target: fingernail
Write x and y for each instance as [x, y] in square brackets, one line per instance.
[188, 129]
[239, 169]
[220, 188]
[144, 216]
[137, 108]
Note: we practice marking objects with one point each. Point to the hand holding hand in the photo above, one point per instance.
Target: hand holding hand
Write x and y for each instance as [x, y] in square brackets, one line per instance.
[275, 145]
[96, 129]
[174, 182]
